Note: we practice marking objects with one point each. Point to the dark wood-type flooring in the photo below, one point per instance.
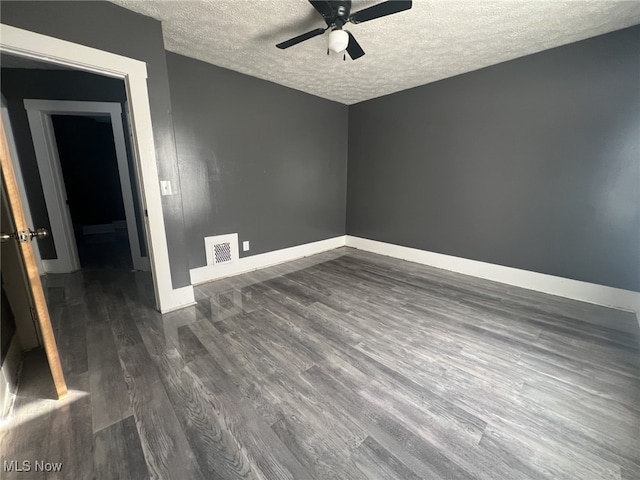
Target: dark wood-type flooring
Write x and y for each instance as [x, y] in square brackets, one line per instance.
[345, 365]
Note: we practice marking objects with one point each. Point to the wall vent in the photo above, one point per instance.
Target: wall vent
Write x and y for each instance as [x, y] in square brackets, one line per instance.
[221, 249]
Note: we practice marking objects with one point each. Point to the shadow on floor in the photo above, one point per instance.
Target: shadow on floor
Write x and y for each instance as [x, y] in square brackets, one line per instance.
[105, 250]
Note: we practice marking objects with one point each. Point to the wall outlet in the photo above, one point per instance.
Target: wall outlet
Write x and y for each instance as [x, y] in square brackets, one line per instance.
[245, 245]
[165, 187]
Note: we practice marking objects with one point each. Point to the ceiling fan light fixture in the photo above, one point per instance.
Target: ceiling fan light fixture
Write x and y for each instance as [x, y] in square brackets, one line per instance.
[338, 40]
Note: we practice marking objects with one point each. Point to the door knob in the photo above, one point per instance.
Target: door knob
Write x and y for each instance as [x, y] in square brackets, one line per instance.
[25, 235]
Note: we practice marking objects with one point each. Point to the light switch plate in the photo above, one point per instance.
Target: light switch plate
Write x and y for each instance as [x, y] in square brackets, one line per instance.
[245, 245]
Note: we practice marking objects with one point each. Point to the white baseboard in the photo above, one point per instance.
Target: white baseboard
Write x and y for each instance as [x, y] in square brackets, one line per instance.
[262, 260]
[540, 282]
[54, 265]
[176, 299]
[98, 229]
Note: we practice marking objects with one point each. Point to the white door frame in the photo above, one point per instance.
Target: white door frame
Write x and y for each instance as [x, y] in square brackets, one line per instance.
[39, 113]
[134, 73]
[136, 179]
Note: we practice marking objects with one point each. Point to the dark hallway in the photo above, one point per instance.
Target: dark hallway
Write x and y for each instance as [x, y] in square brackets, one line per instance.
[88, 159]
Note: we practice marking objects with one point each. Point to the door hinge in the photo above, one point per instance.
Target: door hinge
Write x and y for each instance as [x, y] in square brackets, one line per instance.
[36, 324]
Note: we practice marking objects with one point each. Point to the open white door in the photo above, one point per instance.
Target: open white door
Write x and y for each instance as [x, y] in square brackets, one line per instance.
[13, 151]
[55, 195]
[21, 236]
[126, 114]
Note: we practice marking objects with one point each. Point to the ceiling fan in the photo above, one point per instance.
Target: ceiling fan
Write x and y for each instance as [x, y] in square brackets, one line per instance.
[336, 14]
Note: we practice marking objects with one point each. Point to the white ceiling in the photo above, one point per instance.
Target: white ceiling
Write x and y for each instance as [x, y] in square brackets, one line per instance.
[434, 40]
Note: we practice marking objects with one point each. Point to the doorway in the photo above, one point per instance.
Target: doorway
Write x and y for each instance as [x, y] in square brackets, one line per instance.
[36, 46]
[87, 137]
[94, 195]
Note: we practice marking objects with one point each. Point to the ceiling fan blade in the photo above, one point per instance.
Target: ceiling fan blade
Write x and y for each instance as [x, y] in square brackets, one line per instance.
[380, 10]
[324, 8]
[301, 38]
[353, 48]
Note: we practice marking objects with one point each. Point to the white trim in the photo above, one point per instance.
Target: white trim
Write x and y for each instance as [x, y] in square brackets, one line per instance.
[262, 260]
[55, 195]
[179, 298]
[134, 72]
[210, 242]
[540, 282]
[13, 151]
[136, 178]
[40, 108]
[40, 47]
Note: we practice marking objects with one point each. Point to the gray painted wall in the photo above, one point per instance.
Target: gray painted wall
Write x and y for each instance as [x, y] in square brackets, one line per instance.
[256, 158]
[533, 164]
[108, 27]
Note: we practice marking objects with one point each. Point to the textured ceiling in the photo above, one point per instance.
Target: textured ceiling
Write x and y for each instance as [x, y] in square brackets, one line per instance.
[434, 40]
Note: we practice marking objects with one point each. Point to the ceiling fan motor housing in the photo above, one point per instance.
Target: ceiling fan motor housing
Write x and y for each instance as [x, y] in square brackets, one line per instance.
[343, 9]
[336, 13]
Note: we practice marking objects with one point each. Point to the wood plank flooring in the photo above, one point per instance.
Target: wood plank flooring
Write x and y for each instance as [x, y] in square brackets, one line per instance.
[345, 365]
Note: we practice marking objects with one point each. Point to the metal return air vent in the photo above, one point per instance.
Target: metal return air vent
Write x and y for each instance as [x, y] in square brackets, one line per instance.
[221, 249]
[221, 252]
